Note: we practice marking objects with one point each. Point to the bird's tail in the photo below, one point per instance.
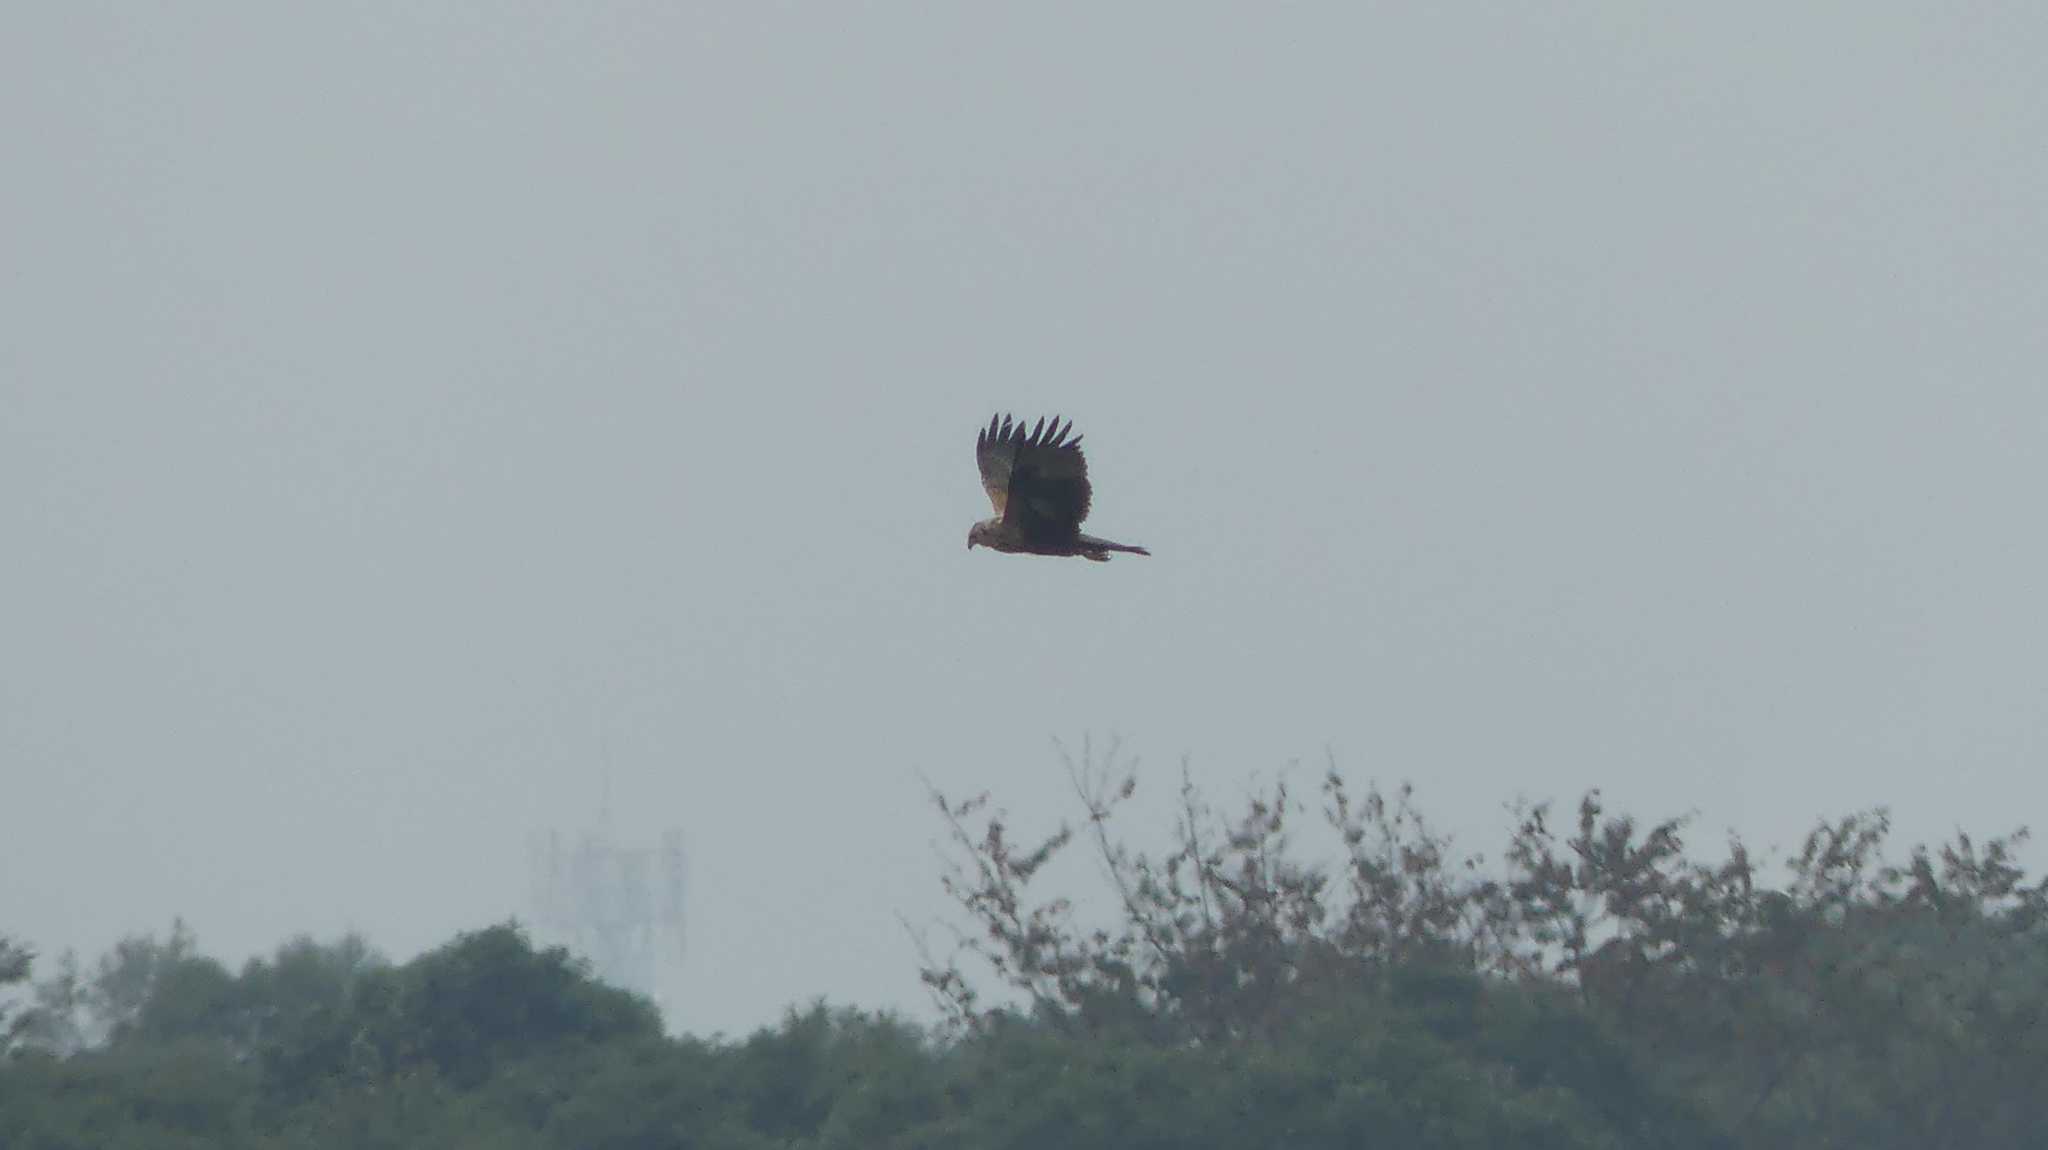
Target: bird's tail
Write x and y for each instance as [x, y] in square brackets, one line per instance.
[1099, 549]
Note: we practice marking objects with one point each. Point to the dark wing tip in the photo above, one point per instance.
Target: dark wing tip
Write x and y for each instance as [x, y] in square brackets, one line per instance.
[1050, 432]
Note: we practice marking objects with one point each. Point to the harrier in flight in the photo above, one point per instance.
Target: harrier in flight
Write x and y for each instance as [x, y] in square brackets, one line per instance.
[1038, 481]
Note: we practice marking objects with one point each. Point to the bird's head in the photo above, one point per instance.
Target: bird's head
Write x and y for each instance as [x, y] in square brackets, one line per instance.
[980, 533]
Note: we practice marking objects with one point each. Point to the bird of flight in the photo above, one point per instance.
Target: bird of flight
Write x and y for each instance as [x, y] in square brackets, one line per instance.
[1038, 482]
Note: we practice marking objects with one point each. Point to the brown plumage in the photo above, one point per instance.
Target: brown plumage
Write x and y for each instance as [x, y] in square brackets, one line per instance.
[1037, 480]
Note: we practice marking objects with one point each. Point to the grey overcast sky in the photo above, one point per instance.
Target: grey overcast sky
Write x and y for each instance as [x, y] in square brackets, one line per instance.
[405, 408]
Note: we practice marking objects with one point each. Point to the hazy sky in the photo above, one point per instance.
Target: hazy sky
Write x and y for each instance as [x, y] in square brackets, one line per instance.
[401, 404]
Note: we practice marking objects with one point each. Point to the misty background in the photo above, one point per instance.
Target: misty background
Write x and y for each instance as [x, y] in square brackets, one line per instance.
[417, 422]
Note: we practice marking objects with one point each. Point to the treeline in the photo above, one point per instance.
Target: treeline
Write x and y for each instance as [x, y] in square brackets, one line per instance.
[1594, 986]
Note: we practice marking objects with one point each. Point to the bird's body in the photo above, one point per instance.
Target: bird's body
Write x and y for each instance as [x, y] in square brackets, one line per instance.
[1037, 480]
[997, 536]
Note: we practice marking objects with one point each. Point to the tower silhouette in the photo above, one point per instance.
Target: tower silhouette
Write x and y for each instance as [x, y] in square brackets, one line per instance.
[619, 907]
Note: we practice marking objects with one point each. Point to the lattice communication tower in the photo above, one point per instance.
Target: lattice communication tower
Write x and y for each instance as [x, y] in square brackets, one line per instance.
[619, 907]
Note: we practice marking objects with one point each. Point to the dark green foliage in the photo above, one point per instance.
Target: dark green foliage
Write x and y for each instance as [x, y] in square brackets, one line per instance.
[135, 1094]
[1600, 988]
[1363, 1069]
[14, 970]
[489, 996]
[458, 1012]
[1674, 1001]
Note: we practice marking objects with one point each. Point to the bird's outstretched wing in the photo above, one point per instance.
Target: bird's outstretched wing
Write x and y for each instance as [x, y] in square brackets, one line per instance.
[1037, 479]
